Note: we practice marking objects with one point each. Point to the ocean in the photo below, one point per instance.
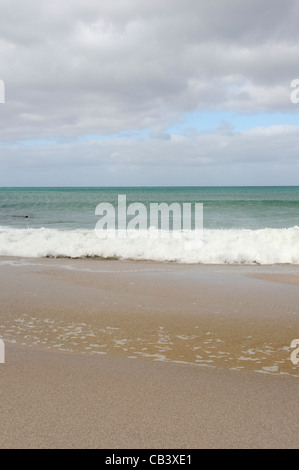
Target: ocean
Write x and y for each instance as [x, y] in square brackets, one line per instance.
[241, 225]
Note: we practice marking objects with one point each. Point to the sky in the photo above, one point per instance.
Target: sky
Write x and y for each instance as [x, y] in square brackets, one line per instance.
[148, 92]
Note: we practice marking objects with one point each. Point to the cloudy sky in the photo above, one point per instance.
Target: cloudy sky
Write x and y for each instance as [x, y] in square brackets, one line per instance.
[148, 92]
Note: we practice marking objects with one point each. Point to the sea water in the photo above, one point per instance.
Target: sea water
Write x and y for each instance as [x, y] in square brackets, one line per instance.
[240, 224]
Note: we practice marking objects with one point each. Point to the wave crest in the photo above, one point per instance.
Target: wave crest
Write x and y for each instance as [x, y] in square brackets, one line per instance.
[231, 246]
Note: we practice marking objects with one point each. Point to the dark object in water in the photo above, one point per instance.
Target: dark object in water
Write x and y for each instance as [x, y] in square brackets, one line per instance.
[20, 216]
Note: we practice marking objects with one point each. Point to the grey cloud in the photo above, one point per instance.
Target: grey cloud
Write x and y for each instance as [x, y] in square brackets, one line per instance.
[256, 156]
[78, 68]
[162, 135]
[219, 147]
[102, 67]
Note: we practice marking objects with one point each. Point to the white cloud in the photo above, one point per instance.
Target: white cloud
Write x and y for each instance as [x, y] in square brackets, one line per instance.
[76, 68]
[112, 161]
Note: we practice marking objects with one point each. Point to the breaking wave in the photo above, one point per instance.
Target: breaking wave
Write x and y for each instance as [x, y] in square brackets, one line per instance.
[230, 246]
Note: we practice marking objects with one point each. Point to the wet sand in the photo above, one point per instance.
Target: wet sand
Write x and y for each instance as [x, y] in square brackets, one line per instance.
[55, 400]
[143, 355]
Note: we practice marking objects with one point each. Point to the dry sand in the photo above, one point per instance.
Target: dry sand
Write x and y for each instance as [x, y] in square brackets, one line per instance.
[147, 355]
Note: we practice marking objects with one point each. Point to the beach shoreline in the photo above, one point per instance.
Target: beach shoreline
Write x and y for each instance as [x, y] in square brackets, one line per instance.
[210, 345]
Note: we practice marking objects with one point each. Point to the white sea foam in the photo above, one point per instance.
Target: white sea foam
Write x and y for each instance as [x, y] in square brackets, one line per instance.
[265, 246]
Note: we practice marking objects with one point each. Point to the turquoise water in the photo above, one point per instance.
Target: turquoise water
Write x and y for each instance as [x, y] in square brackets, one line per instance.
[240, 224]
[224, 207]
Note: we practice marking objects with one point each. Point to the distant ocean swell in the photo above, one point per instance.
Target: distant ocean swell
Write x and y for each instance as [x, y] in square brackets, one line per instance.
[225, 246]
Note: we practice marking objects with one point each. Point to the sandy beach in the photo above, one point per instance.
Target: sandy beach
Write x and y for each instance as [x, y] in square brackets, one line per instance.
[149, 227]
[113, 354]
